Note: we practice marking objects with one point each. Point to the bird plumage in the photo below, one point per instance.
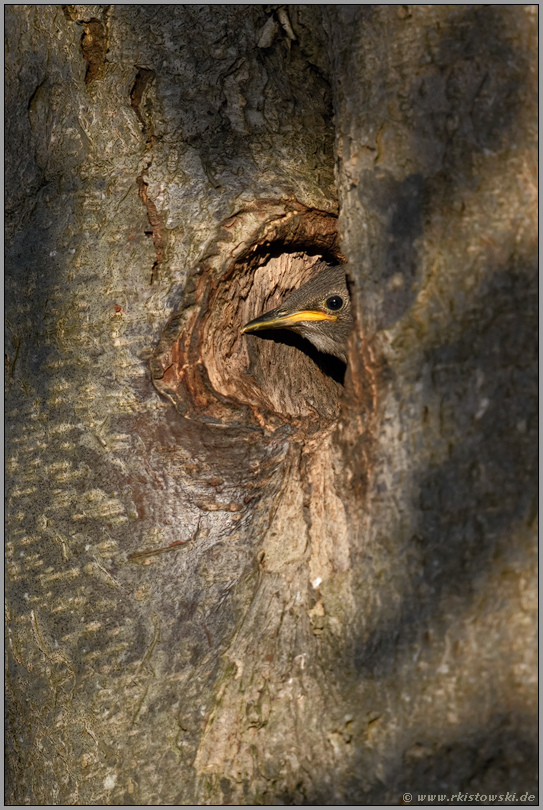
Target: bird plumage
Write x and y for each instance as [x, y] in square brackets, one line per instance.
[319, 310]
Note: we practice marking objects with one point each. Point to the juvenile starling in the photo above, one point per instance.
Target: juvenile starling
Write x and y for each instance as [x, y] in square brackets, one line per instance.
[320, 311]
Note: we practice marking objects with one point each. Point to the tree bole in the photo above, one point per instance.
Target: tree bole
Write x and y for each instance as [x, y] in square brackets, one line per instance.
[232, 579]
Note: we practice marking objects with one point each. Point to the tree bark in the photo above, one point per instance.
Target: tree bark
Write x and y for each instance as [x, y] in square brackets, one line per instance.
[232, 579]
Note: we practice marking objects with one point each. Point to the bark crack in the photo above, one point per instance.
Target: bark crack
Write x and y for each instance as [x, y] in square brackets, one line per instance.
[157, 229]
[158, 232]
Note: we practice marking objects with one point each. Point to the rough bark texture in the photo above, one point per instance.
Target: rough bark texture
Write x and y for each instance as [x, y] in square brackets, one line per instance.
[435, 113]
[230, 580]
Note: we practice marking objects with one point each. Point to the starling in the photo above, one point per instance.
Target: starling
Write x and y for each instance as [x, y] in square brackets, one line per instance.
[320, 311]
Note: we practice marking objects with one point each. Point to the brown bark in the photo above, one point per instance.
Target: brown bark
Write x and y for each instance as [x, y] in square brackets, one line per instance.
[230, 579]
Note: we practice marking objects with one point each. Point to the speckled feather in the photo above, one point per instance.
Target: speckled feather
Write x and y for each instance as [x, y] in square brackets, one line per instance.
[327, 336]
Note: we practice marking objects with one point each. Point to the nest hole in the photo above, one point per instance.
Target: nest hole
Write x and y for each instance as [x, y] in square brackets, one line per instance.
[214, 374]
[275, 371]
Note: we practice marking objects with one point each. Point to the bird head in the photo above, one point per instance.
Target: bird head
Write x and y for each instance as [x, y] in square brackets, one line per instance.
[320, 311]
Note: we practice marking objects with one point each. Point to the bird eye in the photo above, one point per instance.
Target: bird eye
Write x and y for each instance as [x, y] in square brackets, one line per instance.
[334, 303]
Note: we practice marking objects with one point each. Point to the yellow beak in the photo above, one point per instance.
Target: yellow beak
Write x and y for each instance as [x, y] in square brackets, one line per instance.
[272, 321]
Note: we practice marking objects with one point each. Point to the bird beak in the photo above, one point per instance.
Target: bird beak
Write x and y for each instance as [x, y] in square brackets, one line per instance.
[281, 319]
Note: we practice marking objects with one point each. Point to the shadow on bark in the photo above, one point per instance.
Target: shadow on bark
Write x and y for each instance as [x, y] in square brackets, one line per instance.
[486, 384]
[499, 759]
[484, 374]
[477, 506]
[492, 762]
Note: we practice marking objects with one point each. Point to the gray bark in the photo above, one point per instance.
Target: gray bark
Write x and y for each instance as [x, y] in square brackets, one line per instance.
[230, 579]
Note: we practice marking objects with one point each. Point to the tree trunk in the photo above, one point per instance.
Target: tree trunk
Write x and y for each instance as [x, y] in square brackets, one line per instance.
[231, 578]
